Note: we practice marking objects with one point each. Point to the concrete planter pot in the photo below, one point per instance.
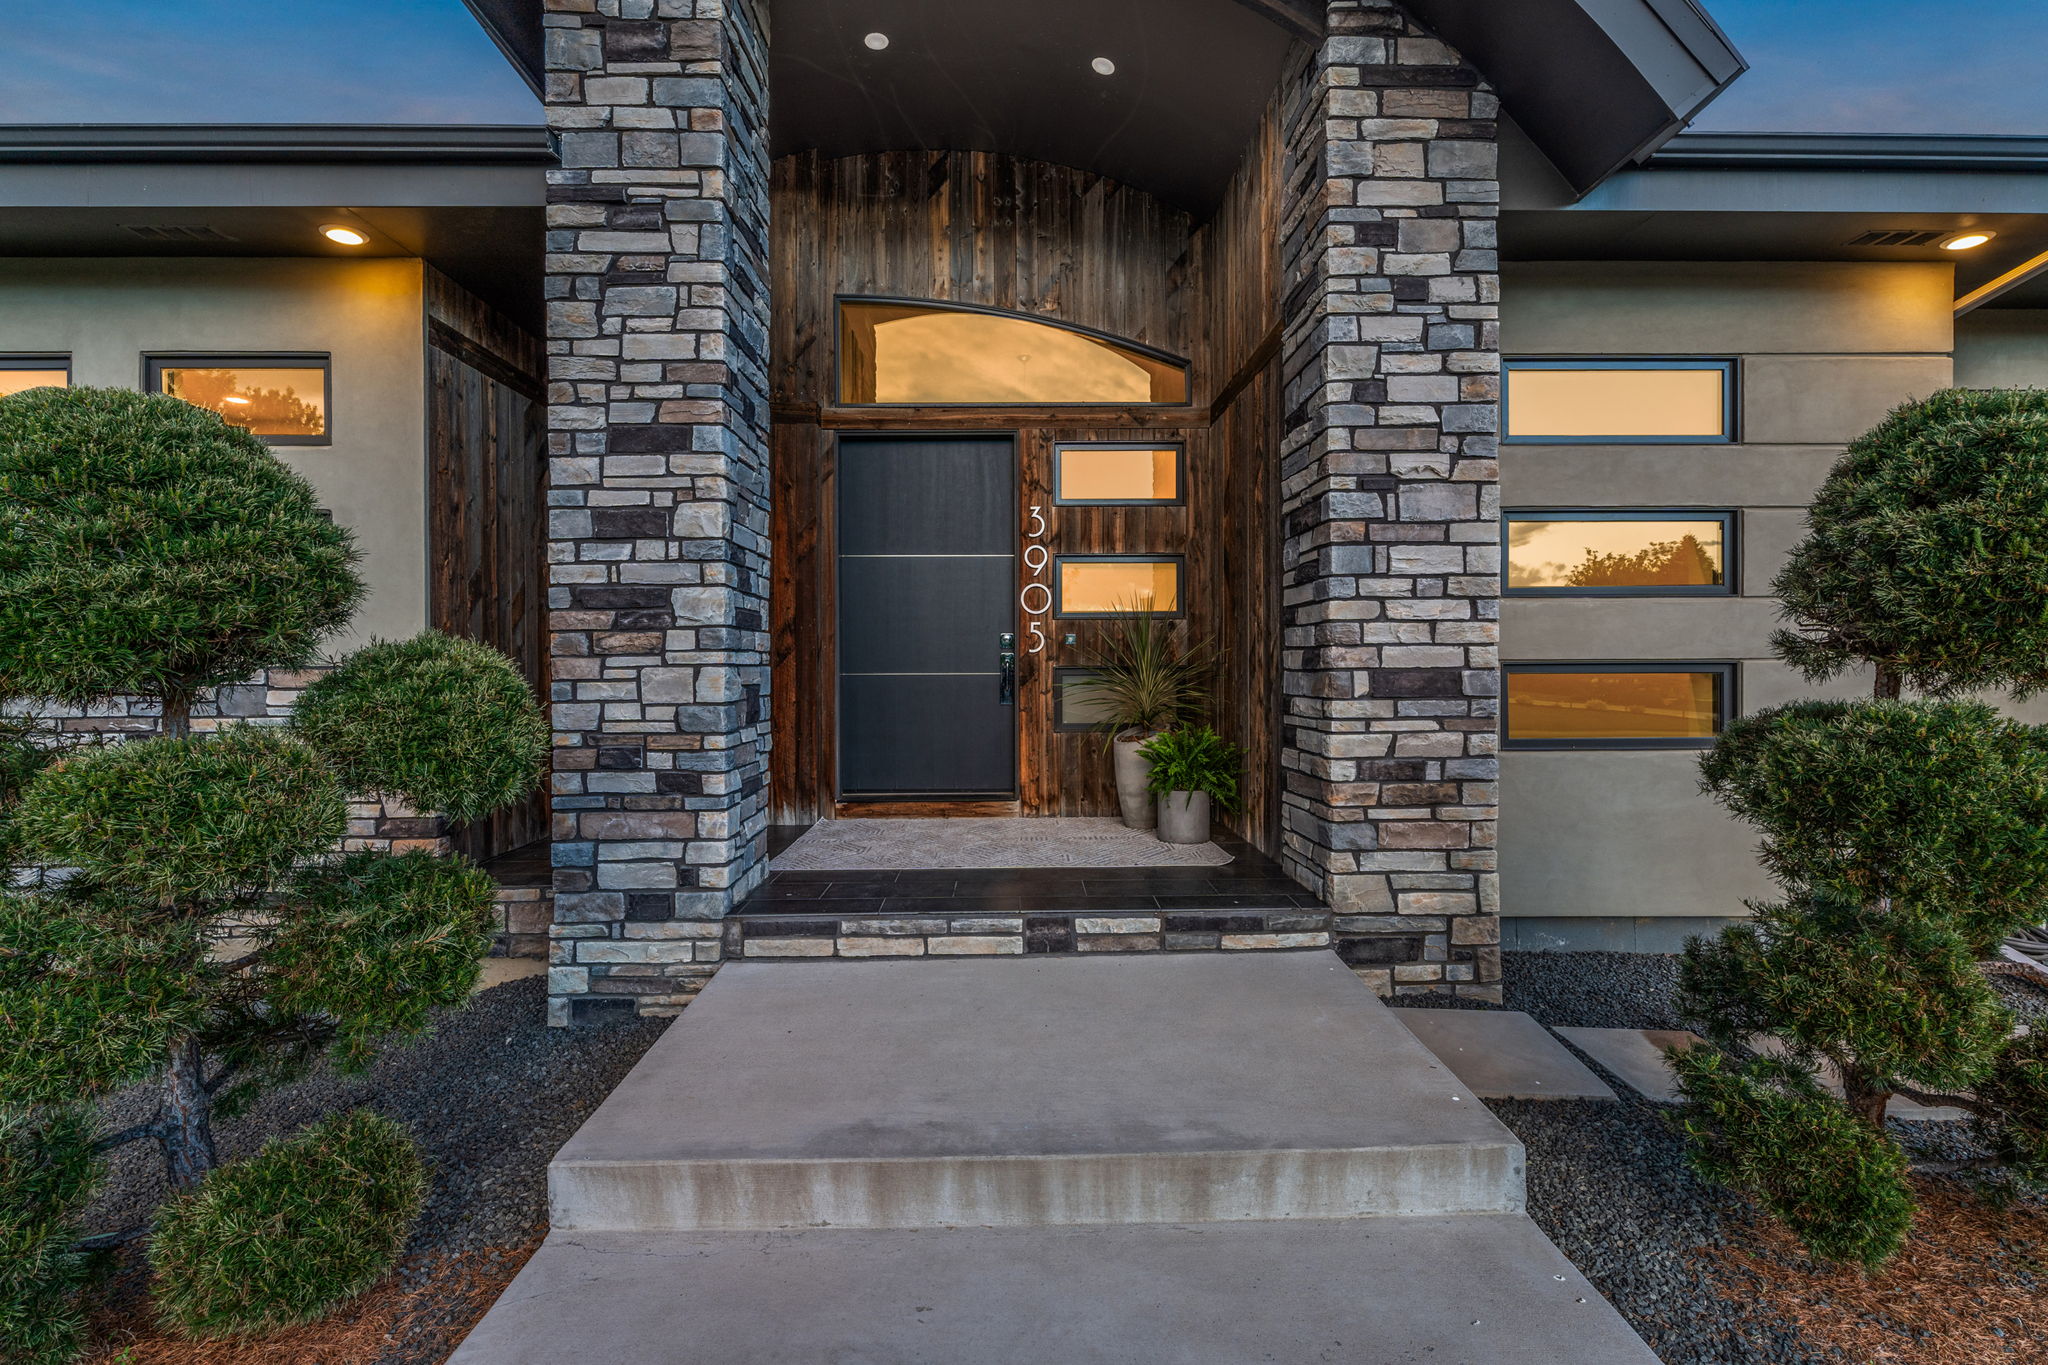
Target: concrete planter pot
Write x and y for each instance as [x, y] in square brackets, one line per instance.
[1184, 818]
[1133, 771]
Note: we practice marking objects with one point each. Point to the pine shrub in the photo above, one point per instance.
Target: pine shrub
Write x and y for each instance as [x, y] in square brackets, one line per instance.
[285, 1235]
[1767, 1128]
[48, 1171]
[447, 725]
[195, 818]
[149, 548]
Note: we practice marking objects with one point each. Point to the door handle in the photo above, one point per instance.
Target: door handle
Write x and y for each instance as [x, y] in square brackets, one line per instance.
[1006, 664]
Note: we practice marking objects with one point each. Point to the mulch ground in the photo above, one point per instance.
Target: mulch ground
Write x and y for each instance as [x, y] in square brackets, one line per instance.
[1971, 1285]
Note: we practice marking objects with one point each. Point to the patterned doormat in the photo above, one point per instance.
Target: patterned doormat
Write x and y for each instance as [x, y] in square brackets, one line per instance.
[902, 845]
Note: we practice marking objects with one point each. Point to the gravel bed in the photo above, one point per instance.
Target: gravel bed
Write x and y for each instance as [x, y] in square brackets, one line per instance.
[490, 1094]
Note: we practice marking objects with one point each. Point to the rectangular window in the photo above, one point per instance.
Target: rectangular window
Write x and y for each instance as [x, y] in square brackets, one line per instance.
[1076, 706]
[1618, 705]
[1117, 585]
[1646, 402]
[20, 372]
[282, 398]
[1108, 475]
[1644, 553]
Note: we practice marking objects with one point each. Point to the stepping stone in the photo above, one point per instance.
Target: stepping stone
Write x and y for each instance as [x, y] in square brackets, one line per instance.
[1636, 1055]
[1057, 1090]
[1504, 1055]
[1482, 1289]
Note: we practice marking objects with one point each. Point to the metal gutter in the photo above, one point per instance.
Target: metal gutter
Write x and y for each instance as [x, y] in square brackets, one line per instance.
[300, 144]
[1854, 151]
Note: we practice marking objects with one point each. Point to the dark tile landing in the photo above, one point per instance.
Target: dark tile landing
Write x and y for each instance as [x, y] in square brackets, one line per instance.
[526, 866]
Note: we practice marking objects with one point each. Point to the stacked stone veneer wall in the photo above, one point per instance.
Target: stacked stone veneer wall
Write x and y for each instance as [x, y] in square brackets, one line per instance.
[1389, 490]
[657, 490]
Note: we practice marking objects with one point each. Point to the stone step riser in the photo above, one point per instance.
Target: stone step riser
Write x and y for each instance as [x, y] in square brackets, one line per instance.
[1036, 1191]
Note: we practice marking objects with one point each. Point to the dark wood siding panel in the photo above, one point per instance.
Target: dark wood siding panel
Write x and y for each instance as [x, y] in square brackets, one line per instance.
[487, 508]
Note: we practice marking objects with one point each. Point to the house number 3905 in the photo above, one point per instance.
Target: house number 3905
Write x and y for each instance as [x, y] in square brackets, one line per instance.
[1036, 599]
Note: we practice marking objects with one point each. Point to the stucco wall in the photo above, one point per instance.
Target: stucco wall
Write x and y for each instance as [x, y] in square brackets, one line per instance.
[1824, 349]
[367, 314]
[2002, 348]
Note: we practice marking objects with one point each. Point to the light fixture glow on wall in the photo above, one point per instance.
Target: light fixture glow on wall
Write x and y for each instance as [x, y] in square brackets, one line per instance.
[876, 41]
[343, 235]
[1965, 240]
[1103, 66]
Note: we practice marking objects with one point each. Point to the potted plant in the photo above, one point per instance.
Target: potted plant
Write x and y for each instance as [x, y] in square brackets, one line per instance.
[1193, 770]
[1143, 682]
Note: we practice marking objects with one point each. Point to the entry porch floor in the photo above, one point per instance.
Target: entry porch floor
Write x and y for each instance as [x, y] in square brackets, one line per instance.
[1180, 1158]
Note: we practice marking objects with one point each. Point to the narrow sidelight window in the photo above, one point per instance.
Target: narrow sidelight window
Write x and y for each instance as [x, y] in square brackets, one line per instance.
[21, 372]
[1648, 402]
[282, 398]
[900, 351]
[1112, 475]
[1617, 705]
[1117, 585]
[1619, 554]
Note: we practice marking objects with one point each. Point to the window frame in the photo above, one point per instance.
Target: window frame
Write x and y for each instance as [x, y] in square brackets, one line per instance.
[1731, 553]
[1728, 705]
[839, 302]
[1061, 675]
[1180, 473]
[38, 360]
[1730, 407]
[1180, 570]
[154, 362]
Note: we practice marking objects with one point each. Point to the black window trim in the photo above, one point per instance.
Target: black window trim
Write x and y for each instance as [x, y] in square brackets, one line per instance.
[1180, 473]
[1180, 570]
[1730, 407]
[153, 363]
[38, 360]
[1731, 548]
[839, 302]
[1727, 697]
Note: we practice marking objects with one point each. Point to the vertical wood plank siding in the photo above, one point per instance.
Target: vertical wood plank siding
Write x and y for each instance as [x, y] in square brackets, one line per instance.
[1067, 245]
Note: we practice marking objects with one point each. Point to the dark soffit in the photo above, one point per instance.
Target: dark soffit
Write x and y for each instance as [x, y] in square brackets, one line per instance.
[1192, 79]
[514, 25]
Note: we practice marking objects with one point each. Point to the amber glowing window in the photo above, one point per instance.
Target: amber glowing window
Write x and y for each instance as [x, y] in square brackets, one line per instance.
[282, 398]
[1107, 474]
[22, 372]
[931, 353]
[1614, 553]
[1621, 401]
[1117, 585]
[1617, 706]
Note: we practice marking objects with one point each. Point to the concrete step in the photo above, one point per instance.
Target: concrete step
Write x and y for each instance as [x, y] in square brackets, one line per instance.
[1504, 1055]
[1467, 1290]
[1033, 1091]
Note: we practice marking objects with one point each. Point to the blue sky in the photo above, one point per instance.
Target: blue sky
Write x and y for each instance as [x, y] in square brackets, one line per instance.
[1815, 65]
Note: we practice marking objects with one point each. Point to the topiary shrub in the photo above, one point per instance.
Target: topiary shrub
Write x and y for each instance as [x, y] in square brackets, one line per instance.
[205, 937]
[48, 1169]
[1927, 550]
[1910, 837]
[148, 548]
[282, 1236]
[448, 724]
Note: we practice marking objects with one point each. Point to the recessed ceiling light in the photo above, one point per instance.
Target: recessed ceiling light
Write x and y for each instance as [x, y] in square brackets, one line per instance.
[342, 235]
[1965, 240]
[876, 41]
[1103, 66]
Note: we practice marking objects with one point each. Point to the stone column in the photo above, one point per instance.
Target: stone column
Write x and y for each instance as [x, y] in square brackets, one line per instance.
[1389, 490]
[657, 303]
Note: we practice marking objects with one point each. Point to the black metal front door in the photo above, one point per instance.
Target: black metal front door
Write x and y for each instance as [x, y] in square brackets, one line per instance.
[927, 579]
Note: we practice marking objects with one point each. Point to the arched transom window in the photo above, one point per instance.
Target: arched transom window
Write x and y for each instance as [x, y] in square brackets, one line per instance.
[894, 351]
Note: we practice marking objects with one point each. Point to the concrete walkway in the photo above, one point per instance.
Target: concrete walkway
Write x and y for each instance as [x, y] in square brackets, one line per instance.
[1187, 1158]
